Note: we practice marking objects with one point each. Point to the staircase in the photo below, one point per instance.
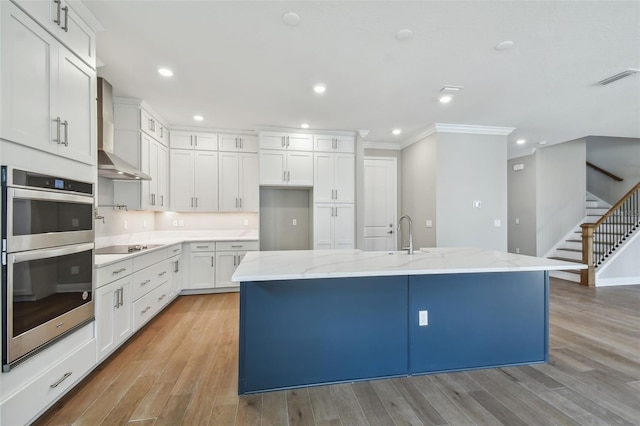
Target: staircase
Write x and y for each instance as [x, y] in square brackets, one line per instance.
[570, 247]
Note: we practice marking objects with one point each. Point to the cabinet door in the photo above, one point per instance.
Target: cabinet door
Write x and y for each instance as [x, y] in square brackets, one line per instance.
[58, 16]
[345, 176]
[206, 141]
[300, 168]
[113, 315]
[272, 167]
[226, 263]
[181, 140]
[228, 142]
[343, 228]
[249, 186]
[271, 140]
[345, 144]
[248, 143]
[202, 270]
[206, 181]
[147, 123]
[181, 180]
[323, 143]
[323, 226]
[324, 175]
[299, 142]
[77, 108]
[28, 76]
[163, 170]
[153, 172]
[229, 174]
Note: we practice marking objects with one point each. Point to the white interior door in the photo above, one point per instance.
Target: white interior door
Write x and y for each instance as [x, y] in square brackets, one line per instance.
[380, 203]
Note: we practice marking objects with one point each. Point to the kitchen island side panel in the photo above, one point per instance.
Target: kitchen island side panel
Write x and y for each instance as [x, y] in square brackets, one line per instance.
[478, 320]
[305, 332]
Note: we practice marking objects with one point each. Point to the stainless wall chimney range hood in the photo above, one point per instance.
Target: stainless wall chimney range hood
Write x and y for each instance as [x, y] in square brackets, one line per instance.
[111, 166]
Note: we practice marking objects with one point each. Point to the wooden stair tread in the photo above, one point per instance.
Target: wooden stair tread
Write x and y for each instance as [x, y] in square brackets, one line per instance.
[570, 249]
[565, 259]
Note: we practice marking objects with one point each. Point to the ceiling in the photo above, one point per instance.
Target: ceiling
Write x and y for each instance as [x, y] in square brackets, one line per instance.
[241, 67]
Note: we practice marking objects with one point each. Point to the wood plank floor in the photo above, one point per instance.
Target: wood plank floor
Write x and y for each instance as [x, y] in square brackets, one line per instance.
[182, 368]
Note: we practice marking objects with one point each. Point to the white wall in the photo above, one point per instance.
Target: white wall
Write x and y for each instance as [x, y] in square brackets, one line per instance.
[623, 267]
[561, 191]
[522, 205]
[620, 156]
[469, 168]
[418, 190]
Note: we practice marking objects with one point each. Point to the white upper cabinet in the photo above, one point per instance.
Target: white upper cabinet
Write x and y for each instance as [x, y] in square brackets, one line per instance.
[322, 143]
[50, 104]
[194, 181]
[293, 168]
[238, 179]
[237, 143]
[63, 20]
[153, 127]
[189, 140]
[288, 141]
[334, 179]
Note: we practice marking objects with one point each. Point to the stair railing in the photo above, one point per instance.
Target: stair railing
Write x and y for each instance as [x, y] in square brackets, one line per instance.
[601, 239]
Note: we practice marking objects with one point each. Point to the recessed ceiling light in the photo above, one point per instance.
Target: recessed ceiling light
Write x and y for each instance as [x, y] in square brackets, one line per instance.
[396, 131]
[120, 173]
[504, 45]
[166, 72]
[198, 117]
[137, 177]
[445, 99]
[304, 125]
[521, 141]
[319, 88]
[542, 143]
[405, 34]
[291, 18]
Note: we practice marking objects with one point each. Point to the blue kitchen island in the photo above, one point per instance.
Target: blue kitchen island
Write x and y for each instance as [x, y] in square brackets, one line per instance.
[317, 317]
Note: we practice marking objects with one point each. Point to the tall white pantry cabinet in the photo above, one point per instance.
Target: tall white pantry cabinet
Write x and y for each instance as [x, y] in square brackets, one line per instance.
[48, 124]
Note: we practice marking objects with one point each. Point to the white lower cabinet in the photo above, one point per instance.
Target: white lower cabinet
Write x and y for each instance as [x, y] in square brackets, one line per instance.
[229, 254]
[32, 387]
[150, 304]
[203, 273]
[113, 310]
[333, 226]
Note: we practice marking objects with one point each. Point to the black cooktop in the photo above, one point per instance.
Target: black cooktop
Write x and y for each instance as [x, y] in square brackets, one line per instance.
[124, 249]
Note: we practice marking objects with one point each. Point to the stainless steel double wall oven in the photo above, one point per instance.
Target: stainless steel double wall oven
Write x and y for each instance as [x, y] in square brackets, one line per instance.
[47, 260]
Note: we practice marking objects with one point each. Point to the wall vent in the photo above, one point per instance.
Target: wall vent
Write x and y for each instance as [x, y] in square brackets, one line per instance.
[616, 77]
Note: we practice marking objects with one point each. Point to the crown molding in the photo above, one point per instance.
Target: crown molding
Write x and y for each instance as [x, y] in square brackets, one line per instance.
[348, 133]
[382, 145]
[477, 130]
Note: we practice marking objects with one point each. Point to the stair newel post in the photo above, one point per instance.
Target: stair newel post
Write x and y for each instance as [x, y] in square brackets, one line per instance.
[588, 276]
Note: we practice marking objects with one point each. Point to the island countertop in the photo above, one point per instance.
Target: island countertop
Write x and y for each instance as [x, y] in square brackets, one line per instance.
[310, 264]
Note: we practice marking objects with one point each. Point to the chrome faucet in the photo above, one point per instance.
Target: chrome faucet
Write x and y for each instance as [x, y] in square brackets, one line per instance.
[410, 248]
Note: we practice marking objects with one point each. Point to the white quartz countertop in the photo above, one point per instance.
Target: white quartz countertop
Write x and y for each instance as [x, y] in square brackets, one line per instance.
[165, 240]
[309, 264]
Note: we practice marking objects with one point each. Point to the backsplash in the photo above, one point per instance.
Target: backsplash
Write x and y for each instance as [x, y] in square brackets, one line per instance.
[120, 222]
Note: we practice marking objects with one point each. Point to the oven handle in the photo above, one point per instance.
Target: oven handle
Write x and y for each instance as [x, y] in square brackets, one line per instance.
[49, 252]
[31, 194]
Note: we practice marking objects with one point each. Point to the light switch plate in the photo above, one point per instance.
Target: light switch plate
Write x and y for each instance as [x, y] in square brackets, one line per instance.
[477, 204]
[497, 223]
[429, 223]
[423, 318]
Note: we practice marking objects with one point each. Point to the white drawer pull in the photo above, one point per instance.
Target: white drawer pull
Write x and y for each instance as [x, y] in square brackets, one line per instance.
[119, 270]
[145, 282]
[144, 311]
[55, 385]
[162, 297]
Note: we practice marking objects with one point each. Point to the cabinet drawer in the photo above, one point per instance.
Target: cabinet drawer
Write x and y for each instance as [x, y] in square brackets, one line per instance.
[236, 245]
[204, 246]
[34, 398]
[148, 259]
[174, 250]
[149, 305]
[113, 272]
[148, 279]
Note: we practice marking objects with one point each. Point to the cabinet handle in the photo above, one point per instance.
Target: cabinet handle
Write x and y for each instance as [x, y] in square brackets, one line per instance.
[121, 296]
[238, 246]
[237, 143]
[162, 200]
[240, 139]
[336, 194]
[62, 379]
[145, 282]
[162, 297]
[116, 296]
[162, 132]
[191, 202]
[175, 250]
[288, 142]
[196, 202]
[212, 261]
[162, 273]
[119, 270]
[57, 21]
[289, 176]
[284, 176]
[177, 268]
[57, 139]
[195, 138]
[66, 19]
[336, 143]
[65, 123]
[202, 246]
[283, 141]
[240, 202]
[236, 203]
[191, 143]
[144, 311]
